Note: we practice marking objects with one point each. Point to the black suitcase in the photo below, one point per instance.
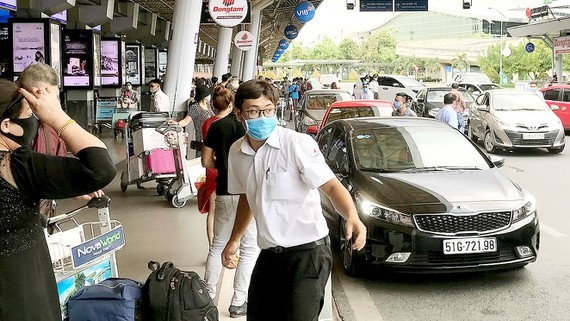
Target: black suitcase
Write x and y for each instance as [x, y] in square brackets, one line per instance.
[140, 124]
[148, 120]
[143, 115]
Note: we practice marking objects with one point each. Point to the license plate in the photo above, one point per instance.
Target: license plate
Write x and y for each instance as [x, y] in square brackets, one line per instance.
[533, 136]
[470, 245]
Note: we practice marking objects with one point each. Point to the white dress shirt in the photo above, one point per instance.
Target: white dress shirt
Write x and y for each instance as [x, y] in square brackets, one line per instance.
[280, 182]
[160, 102]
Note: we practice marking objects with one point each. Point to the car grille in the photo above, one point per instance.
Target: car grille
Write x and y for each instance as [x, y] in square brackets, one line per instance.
[516, 138]
[452, 224]
[504, 254]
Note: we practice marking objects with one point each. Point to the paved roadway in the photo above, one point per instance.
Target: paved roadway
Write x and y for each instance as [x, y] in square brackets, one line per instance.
[539, 291]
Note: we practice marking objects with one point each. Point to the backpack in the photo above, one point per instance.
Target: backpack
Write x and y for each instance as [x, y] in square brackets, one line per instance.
[110, 300]
[174, 295]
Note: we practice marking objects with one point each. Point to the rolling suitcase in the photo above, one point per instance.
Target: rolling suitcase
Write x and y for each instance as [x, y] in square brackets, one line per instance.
[159, 161]
[148, 120]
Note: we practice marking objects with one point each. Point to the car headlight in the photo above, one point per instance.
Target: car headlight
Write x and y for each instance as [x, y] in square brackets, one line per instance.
[432, 112]
[528, 209]
[307, 121]
[380, 212]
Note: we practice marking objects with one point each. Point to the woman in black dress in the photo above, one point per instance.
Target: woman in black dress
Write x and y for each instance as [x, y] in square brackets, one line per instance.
[27, 283]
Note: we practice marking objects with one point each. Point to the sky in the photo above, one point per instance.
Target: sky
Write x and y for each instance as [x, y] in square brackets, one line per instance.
[334, 20]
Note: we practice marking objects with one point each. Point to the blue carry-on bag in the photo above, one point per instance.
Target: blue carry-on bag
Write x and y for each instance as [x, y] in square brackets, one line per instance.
[114, 299]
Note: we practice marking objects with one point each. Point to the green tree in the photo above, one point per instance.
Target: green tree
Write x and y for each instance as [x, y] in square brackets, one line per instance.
[432, 65]
[460, 62]
[379, 47]
[326, 49]
[348, 49]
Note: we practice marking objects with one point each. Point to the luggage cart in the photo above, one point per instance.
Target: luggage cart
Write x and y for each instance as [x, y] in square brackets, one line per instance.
[136, 152]
[179, 190]
[83, 254]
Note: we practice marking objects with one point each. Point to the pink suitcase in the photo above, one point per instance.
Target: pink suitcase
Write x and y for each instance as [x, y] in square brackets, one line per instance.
[160, 161]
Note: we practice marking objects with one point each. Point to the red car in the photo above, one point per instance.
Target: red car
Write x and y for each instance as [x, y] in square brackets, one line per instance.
[558, 98]
[354, 109]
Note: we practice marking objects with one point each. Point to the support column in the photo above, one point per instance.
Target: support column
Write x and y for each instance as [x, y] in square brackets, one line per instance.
[250, 61]
[222, 52]
[237, 56]
[558, 67]
[182, 52]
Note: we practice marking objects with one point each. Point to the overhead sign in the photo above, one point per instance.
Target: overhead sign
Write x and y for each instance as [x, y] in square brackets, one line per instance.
[539, 12]
[228, 13]
[304, 11]
[243, 40]
[561, 45]
[291, 32]
[405, 5]
[8, 4]
[393, 5]
[375, 5]
[529, 47]
[206, 18]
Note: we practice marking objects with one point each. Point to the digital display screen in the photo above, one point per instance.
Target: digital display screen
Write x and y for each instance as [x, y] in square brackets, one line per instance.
[77, 58]
[8, 4]
[55, 48]
[150, 62]
[96, 59]
[162, 60]
[133, 64]
[28, 43]
[110, 62]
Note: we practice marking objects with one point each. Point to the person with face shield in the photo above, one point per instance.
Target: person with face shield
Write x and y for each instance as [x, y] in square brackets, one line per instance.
[277, 174]
[28, 288]
[129, 96]
[198, 112]
[159, 100]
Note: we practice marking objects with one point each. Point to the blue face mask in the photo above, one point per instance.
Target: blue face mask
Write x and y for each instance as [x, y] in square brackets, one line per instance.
[365, 89]
[396, 105]
[260, 128]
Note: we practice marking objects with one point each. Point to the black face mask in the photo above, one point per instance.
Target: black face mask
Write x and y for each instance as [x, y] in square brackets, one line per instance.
[30, 128]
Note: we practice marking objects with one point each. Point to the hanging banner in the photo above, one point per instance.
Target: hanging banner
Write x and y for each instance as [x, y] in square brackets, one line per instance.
[304, 11]
[283, 44]
[243, 40]
[291, 32]
[228, 13]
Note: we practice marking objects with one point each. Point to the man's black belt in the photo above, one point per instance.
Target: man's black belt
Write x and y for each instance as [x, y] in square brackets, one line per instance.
[306, 246]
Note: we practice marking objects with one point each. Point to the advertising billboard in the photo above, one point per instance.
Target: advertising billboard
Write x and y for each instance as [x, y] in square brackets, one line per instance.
[133, 64]
[55, 48]
[77, 57]
[96, 59]
[150, 64]
[111, 62]
[28, 43]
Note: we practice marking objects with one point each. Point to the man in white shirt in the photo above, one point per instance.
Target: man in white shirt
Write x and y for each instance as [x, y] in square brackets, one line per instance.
[159, 100]
[447, 113]
[277, 172]
[366, 92]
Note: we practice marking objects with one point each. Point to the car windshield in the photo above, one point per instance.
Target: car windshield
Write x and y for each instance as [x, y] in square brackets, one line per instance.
[520, 101]
[490, 87]
[411, 149]
[358, 111]
[321, 102]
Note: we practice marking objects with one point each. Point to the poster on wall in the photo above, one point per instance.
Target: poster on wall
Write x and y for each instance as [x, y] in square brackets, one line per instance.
[110, 63]
[162, 61]
[133, 62]
[77, 58]
[55, 48]
[150, 64]
[28, 43]
[96, 59]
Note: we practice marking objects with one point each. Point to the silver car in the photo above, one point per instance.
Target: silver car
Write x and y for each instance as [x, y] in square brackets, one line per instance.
[506, 119]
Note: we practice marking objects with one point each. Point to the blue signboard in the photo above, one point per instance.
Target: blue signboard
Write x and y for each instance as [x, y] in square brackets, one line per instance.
[529, 47]
[376, 5]
[304, 11]
[291, 32]
[448, 68]
[406, 5]
[283, 44]
[97, 247]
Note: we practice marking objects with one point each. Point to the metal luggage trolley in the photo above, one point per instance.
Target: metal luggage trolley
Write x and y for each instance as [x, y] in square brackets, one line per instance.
[136, 172]
[83, 254]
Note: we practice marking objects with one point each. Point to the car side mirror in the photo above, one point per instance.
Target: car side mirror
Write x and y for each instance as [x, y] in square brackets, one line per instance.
[312, 130]
[498, 161]
[554, 107]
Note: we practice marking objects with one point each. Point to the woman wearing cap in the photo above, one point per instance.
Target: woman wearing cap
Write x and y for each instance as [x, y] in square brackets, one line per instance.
[198, 112]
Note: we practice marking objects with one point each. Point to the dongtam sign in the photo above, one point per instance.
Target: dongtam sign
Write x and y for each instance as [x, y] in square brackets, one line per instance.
[243, 40]
[228, 13]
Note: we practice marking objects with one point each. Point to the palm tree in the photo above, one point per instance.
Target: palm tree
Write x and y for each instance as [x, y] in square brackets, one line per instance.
[432, 65]
[460, 62]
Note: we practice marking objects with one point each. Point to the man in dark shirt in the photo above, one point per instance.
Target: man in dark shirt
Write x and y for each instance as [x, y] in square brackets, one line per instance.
[221, 135]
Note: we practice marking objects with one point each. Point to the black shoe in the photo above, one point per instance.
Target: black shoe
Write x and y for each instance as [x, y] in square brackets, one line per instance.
[238, 311]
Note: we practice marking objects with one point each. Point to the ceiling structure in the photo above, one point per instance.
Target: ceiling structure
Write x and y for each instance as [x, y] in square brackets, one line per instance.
[274, 19]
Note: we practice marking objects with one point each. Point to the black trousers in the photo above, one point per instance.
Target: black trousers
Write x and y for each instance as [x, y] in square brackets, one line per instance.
[289, 286]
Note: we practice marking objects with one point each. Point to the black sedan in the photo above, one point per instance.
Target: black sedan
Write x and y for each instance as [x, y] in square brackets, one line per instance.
[432, 201]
